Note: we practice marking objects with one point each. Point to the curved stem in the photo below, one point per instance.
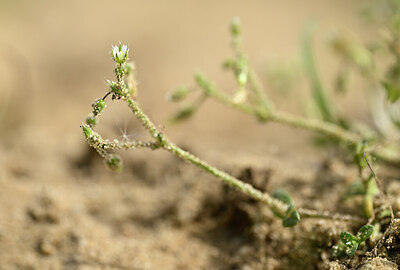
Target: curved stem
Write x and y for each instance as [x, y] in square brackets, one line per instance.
[102, 145]
[225, 177]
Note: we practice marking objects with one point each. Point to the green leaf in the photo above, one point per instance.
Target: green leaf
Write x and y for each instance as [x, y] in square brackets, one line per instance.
[361, 57]
[318, 91]
[385, 213]
[351, 250]
[291, 218]
[365, 232]
[182, 114]
[283, 196]
[350, 243]
[356, 188]
[348, 239]
[339, 251]
[392, 91]
[114, 162]
[178, 94]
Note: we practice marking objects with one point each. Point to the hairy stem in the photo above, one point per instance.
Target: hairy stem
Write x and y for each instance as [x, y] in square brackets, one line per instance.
[307, 213]
[281, 204]
[226, 178]
[102, 145]
[316, 125]
[329, 129]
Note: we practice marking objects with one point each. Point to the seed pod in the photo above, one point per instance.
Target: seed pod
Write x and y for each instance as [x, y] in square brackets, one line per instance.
[114, 162]
[87, 131]
[183, 114]
[178, 94]
[235, 26]
[91, 120]
[114, 87]
[98, 106]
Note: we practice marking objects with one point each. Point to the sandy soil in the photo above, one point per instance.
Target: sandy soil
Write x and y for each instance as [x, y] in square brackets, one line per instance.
[60, 208]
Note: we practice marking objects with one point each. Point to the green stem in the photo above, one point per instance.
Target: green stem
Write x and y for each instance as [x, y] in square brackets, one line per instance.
[326, 128]
[226, 178]
[316, 125]
[101, 145]
[307, 213]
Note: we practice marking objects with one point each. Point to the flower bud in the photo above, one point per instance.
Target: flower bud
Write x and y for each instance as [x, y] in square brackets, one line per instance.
[240, 96]
[114, 87]
[235, 26]
[183, 114]
[128, 68]
[91, 120]
[114, 162]
[178, 94]
[98, 106]
[120, 53]
[87, 131]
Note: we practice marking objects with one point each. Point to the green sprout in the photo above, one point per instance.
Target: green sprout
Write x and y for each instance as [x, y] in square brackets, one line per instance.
[350, 243]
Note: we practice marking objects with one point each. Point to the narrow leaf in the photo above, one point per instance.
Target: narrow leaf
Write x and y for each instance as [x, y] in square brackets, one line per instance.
[283, 196]
[318, 92]
[392, 91]
[356, 188]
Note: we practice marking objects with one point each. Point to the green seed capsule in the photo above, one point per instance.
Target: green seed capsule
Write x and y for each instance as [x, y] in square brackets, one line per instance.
[235, 26]
[98, 106]
[114, 162]
[178, 94]
[91, 120]
[87, 131]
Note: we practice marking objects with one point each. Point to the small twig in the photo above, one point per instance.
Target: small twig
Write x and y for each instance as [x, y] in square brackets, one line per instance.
[348, 137]
[316, 125]
[106, 95]
[380, 186]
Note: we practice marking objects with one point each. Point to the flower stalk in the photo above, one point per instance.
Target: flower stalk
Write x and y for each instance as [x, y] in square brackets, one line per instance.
[120, 90]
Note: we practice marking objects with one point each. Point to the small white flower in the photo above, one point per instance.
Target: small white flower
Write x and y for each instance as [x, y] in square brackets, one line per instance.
[120, 53]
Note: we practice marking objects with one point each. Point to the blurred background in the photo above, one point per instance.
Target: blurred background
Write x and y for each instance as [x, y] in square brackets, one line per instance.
[55, 54]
